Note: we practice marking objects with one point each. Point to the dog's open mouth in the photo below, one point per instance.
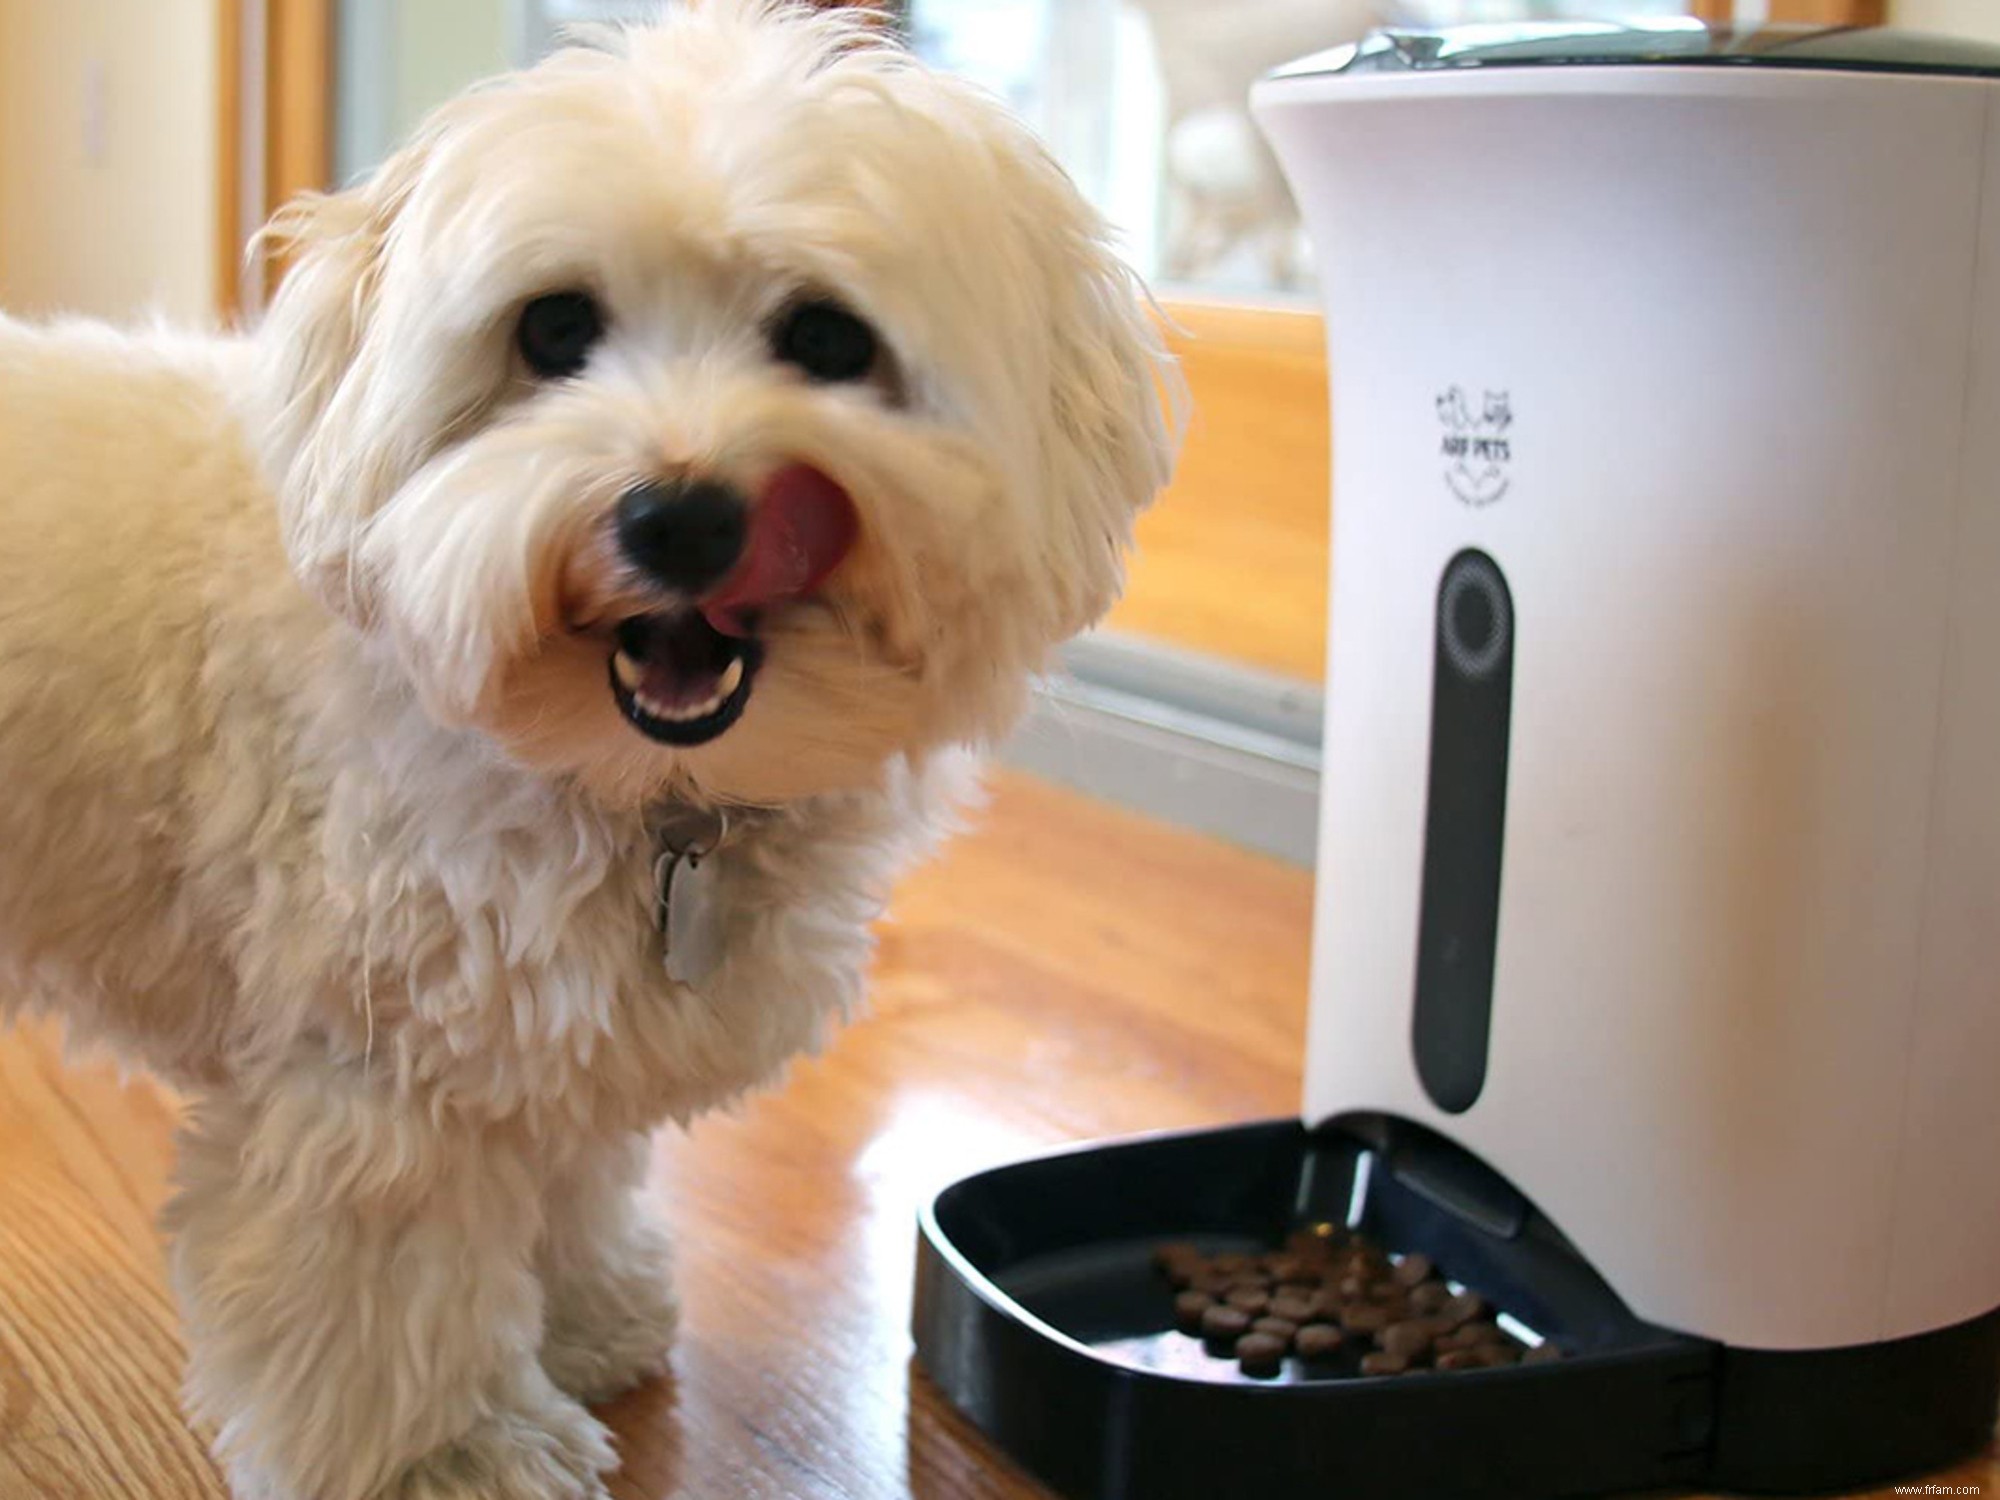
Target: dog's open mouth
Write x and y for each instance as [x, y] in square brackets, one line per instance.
[682, 676]
[678, 679]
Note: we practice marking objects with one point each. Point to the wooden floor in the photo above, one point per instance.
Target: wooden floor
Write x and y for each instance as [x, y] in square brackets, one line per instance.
[1066, 972]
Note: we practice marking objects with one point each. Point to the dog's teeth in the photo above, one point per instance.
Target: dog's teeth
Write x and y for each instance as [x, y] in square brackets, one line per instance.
[629, 672]
[731, 676]
[681, 715]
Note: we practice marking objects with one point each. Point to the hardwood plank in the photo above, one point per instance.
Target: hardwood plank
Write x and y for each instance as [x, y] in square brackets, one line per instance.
[1067, 971]
[90, 1351]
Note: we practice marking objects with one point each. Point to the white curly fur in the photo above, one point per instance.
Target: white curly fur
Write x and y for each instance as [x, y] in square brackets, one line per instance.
[313, 795]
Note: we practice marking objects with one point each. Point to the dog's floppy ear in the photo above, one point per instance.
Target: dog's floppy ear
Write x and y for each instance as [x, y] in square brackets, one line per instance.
[1118, 403]
[310, 347]
[1119, 393]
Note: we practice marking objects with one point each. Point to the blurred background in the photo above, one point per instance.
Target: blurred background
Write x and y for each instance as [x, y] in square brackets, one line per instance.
[141, 141]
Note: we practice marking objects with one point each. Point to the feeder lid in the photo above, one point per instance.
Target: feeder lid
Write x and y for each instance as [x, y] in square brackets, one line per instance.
[1679, 41]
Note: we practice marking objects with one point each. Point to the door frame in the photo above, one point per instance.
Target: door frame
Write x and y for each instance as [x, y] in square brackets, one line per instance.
[274, 73]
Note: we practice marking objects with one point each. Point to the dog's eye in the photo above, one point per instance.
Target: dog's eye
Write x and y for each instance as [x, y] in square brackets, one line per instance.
[557, 332]
[826, 342]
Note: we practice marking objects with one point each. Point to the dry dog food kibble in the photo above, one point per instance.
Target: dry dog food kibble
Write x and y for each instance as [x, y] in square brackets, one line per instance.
[1321, 1340]
[1222, 1323]
[1409, 1340]
[1283, 1329]
[1365, 1318]
[1302, 1271]
[1260, 1353]
[1339, 1302]
[1250, 1299]
[1380, 1363]
[1464, 1308]
[1298, 1307]
[1188, 1310]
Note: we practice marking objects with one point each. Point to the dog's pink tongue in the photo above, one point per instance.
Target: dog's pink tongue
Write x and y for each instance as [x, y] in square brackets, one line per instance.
[803, 526]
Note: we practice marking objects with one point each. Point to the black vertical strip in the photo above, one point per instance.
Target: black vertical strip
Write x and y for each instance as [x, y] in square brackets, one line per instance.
[1458, 924]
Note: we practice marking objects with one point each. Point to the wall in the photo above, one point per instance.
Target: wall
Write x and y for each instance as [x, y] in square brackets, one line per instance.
[399, 60]
[1973, 18]
[444, 45]
[117, 220]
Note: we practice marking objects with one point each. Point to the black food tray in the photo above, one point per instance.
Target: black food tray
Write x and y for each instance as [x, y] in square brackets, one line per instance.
[1041, 1316]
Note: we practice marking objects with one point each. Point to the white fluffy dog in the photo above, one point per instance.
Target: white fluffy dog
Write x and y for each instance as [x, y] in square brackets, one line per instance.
[474, 718]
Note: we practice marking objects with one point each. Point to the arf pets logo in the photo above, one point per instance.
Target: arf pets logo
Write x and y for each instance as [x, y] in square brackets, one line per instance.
[1476, 449]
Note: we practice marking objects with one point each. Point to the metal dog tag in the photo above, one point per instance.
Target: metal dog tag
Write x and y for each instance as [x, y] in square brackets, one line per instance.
[689, 919]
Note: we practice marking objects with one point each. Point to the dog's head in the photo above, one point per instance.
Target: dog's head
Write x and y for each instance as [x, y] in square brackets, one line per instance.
[719, 409]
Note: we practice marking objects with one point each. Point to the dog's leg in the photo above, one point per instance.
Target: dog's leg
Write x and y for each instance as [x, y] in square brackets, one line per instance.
[362, 1305]
[607, 1274]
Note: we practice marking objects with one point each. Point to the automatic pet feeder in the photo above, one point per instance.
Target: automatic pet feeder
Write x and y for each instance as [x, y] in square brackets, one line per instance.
[1656, 991]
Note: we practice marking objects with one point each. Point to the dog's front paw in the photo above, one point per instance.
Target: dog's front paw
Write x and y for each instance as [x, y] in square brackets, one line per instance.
[601, 1345]
[607, 1269]
[556, 1453]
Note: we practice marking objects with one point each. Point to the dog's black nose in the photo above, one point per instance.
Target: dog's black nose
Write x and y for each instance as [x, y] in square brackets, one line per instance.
[684, 534]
